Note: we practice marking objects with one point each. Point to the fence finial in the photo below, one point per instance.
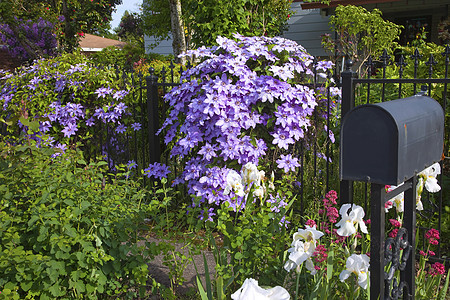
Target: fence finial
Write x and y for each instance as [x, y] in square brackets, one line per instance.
[446, 53]
[385, 57]
[348, 64]
[423, 90]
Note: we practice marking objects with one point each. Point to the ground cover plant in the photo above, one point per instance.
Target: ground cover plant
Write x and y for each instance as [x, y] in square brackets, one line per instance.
[67, 231]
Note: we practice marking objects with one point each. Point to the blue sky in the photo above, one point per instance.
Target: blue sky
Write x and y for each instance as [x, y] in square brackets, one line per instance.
[130, 5]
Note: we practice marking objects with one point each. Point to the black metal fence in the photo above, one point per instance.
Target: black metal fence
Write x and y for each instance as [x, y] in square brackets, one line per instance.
[379, 88]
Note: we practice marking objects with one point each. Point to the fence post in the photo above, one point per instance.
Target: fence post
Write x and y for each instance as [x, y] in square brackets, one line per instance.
[377, 228]
[153, 117]
[408, 276]
[348, 102]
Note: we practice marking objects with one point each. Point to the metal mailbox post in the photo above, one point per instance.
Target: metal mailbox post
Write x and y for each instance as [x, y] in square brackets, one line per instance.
[386, 144]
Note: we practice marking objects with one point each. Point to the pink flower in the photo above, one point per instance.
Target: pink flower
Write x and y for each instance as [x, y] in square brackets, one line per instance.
[332, 196]
[310, 223]
[393, 233]
[388, 205]
[395, 223]
[437, 268]
[432, 236]
[422, 253]
[332, 214]
[431, 253]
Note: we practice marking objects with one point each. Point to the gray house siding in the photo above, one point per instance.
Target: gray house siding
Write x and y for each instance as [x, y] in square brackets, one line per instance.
[306, 28]
[164, 47]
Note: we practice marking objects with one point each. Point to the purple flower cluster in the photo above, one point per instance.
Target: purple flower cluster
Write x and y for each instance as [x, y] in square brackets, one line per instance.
[238, 103]
[40, 33]
[157, 170]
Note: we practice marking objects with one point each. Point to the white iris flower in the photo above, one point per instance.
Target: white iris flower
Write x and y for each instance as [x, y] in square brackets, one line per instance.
[301, 251]
[234, 184]
[359, 265]
[251, 174]
[399, 200]
[429, 176]
[250, 290]
[349, 222]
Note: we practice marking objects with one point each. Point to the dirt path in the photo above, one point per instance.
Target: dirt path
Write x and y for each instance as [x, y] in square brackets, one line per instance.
[161, 272]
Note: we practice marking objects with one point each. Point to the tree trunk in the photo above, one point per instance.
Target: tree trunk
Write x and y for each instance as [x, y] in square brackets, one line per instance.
[179, 40]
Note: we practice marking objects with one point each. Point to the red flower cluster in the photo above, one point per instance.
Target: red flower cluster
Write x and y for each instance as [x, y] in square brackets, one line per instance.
[320, 254]
[432, 236]
[395, 223]
[310, 223]
[437, 268]
[328, 202]
[393, 233]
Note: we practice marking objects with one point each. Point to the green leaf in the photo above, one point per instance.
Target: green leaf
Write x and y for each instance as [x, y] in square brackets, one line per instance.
[201, 290]
[32, 220]
[85, 204]
[443, 293]
[70, 231]
[207, 279]
[330, 261]
[26, 285]
[9, 123]
[56, 290]
[79, 286]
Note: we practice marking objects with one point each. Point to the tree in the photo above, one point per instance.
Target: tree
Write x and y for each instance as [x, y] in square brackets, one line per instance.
[204, 20]
[361, 33]
[163, 19]
[130, 26]
[177, 27]
[72, 18]
[130, 30]
[209, 19]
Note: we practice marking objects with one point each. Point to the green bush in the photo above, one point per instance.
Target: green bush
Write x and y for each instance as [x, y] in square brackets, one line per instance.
[66, 230]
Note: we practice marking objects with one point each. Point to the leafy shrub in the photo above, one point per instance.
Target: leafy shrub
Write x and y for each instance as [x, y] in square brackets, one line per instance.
[159, 65]
[66, 230]
[112, 56]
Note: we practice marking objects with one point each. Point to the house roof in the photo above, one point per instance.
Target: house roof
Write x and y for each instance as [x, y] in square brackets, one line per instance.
[334, 3]
[90, 42]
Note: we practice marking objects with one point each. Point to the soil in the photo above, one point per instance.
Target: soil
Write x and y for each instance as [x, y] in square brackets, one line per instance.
[161, 272]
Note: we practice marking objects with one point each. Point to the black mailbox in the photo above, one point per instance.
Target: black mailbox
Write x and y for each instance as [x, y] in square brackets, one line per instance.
[390, 142]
